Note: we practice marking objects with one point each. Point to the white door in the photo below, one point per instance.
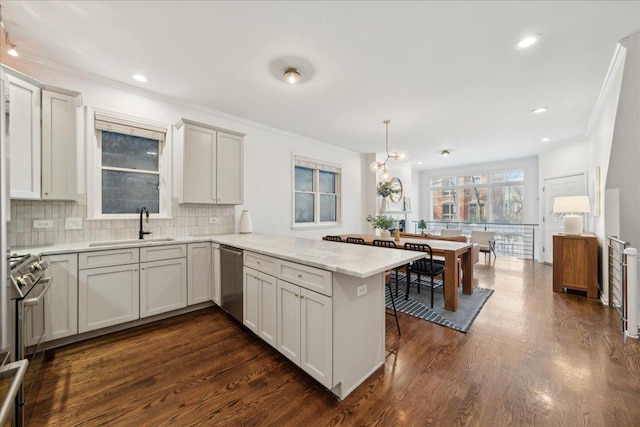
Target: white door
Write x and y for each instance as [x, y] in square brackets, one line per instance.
[268, 303]
[61, 307]
[251, 299]
[316, 337]
[288, 322]
[572, 185]
[108, 296]
[163, 286]
[199, 281]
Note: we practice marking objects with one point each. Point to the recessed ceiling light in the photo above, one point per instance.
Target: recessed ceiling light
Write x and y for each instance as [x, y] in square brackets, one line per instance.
[140, 78]
[527, 41]
[545, 139]
[539, 110]
[445, 153]
[292, 75]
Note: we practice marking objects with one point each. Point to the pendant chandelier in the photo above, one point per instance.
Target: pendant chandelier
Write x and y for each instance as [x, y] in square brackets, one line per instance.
[377, 166]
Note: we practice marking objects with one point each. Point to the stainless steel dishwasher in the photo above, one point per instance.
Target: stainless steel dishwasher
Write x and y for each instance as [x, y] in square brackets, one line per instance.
[231, 281]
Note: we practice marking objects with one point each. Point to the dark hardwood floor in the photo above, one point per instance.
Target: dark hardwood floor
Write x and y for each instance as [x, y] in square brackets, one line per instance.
[531, 358]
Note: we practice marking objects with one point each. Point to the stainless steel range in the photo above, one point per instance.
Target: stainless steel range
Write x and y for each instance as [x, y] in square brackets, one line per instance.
[30, 285]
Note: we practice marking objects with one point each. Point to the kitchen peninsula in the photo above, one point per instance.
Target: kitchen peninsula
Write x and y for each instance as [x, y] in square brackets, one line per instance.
[319, 303]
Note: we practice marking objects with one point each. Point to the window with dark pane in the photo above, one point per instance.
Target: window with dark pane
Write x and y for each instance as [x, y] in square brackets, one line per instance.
[129, 151]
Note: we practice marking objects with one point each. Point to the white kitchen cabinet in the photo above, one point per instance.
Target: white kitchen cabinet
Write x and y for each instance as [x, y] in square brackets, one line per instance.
[199, 281]
[259, 304]
[108, 296]
[212, 164]
[304, 325]
[163, 286]
[59, 146]
[61, 302]
[215, 280]
[24, 141]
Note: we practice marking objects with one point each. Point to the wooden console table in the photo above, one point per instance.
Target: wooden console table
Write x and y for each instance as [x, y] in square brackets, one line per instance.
[575, 263]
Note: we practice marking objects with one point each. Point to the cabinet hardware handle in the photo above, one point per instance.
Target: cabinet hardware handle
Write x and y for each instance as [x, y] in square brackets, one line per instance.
[296, 295]
[301, 296]
[300, 276]
[258, 262]
[135, 269]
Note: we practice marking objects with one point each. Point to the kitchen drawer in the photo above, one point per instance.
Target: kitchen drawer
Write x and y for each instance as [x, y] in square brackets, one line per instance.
[108, 258]
[263, 263]
[157, 253]
[311, 278]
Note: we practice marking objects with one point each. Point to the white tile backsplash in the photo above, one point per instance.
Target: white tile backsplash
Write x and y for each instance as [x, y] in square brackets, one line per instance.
[188, 220]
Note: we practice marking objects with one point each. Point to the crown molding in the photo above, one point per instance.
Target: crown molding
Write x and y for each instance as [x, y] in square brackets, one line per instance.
[616, 63]
[115, 84]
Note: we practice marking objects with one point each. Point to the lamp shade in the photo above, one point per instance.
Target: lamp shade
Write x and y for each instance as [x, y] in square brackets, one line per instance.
[571, 204]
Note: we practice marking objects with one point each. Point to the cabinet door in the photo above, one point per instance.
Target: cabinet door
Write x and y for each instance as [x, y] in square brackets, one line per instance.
[108, 296]
[24, 143]
[267, 312]
[199, 281]
[215, 282]
[199, 172]
[229, 169]
[61, 307]
[163, 286]
[316, 337]
[251, 299]
[288, 322]
[58, 146]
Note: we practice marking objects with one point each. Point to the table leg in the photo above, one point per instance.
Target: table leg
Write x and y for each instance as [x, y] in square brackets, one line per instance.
[451, 280]
[467, 273]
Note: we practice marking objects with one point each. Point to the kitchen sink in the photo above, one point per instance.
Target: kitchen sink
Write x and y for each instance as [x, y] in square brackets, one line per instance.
[131, 242]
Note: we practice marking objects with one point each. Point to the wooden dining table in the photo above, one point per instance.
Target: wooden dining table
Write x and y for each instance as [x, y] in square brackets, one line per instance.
[451, 251]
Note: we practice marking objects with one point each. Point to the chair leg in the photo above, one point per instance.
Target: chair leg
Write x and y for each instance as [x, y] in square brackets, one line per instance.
[432, 291]
[395, 312]
[397, 273]
[406, 297]
[419, 279]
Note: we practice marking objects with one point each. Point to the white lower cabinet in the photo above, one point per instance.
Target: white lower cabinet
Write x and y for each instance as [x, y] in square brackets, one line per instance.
[108, 296]
[199, 281]
[61, 302]
[305, 330]
[163, 286]
[259, 304]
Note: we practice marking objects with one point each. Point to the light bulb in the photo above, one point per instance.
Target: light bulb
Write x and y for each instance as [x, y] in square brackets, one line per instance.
[385, 176]
[375, 166]
[292, 75]
[528, 41]
[403, 156]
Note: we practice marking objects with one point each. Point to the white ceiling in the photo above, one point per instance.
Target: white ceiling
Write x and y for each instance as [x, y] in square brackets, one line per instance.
[445, 73]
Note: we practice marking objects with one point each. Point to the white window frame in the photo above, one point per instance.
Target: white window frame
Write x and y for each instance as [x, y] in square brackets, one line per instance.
[94, 162]
[317, 166]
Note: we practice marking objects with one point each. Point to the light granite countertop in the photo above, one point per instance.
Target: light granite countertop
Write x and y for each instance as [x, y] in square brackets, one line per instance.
[353, 260]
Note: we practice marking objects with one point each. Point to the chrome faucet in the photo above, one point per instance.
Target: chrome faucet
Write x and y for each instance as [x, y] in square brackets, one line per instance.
[141, 233]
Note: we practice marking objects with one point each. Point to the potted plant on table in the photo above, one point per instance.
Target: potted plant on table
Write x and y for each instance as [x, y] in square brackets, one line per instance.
[383, 223]
[422, 225]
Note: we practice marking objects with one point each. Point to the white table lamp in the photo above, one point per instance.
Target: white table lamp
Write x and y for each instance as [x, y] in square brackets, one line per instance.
[571, 206]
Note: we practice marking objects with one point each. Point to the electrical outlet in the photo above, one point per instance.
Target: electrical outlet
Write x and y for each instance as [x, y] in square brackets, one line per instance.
[42, 223]
[73, 223]
[361, 290]
[213, 220]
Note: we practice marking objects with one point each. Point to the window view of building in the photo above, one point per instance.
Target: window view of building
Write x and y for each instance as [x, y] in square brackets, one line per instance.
[493, 197]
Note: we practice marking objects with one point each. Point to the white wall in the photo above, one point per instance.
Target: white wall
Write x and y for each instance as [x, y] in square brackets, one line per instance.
[268, 153]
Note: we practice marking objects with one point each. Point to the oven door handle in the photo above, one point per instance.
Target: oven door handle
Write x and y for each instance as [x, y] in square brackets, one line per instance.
[28, 302]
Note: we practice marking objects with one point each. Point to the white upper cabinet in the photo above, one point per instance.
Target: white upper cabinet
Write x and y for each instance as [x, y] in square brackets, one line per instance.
[59, 146]
[43, 144]
[212, 164]
[24, 138]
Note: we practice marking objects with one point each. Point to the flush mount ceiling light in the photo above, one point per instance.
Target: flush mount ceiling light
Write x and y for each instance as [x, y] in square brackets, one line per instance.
[539, 110]
[527, 41]
[545, 140]
[445, 153]
[292, 75]
[377, 166]
[140, 78]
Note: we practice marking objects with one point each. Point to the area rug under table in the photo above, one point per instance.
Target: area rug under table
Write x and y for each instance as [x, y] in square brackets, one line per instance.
[418, 304]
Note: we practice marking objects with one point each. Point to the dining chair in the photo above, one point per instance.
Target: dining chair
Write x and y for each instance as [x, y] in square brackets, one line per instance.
[387, 279]
[333, 238]
[487, 243]
[424, 267]
[356, 240]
